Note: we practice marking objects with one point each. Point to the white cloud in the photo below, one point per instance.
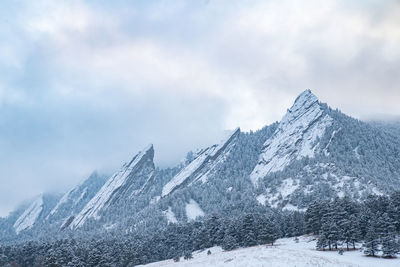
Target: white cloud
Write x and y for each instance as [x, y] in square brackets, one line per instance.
[256, 49]
[179, 72]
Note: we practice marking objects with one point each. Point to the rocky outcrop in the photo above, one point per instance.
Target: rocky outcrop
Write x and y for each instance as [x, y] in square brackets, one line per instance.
[198, 169]
[123, 186]
[295, 136]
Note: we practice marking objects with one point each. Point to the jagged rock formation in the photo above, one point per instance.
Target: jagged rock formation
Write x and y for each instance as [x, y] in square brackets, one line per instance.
[72, 202]
[295, 137]
[313, 153]
[35, 213]
[319, 153]
[203, 164]
[120, 188]
[30, 215]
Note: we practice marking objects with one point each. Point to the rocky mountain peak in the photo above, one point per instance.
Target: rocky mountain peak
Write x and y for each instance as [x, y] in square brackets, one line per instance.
[203, 163]
[30, 215]
[306, 105]
[124, 184]
[305, 97]
[295, 136]
[145, 154]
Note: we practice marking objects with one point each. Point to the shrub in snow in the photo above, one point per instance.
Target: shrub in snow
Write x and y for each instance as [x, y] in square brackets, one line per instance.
[188, 255]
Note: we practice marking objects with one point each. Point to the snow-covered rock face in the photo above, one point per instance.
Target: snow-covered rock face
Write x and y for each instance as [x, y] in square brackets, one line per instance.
[75, 199]
[30, 215]
[295, 136]
[202, 164]
[124, 184]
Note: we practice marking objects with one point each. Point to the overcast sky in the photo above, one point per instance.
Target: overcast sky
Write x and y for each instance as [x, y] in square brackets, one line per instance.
[84, 85]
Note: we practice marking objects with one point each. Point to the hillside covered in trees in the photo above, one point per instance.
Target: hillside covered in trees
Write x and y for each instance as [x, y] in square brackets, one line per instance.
[340, 224]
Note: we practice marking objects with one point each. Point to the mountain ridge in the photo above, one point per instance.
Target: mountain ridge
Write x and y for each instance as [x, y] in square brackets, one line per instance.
[107, 192]
[313, 153]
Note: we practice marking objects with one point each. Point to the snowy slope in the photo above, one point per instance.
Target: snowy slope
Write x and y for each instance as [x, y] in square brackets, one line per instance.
[64, 199]
[295, 136]
[30, 215]
[120, 179]
[347, 158]
[286, 253]
[75, 199]
[193, 210]
[202, 164]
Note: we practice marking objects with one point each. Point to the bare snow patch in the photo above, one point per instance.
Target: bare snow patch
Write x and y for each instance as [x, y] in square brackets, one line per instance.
[261, 199]
[356, 152]
[376, 191]
[155, 199]
[330, 141]
[292, 208]
[193, 210]
[110, 226]
[170, 215]
[287, 187]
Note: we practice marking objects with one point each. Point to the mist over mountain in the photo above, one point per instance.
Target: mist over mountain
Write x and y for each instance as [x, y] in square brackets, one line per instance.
[314, 153]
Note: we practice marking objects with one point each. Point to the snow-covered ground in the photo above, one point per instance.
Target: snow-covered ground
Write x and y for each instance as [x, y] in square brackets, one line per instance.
[193, 210]
[286, 252]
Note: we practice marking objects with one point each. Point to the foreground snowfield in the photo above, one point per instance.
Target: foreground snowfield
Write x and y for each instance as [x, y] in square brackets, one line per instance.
[286, 253]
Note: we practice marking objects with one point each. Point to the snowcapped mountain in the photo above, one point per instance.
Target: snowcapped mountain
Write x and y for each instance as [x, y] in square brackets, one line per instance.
[320, 153]
[314, 153]
[72, 202]
[203, 164]
[120, 188]
[30, 215]
[35, 212]
[295, 137]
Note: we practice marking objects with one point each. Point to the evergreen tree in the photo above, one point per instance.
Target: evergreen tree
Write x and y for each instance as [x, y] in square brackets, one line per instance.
[269, 233]
[371, 242]
[188, 255]
[248, 231]
[313, 216]
[351, 231]
[322, 242]
[395, 209]
[330, 230]
[229, 243]
[390, 246]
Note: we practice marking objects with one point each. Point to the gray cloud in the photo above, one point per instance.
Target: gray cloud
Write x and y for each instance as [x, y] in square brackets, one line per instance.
[84, 85]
